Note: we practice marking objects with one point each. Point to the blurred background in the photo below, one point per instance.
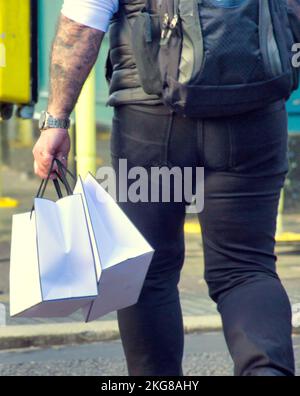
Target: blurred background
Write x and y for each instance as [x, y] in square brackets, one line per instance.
[27, 28]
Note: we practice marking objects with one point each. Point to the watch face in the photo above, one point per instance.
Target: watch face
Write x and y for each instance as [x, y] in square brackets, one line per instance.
[42, 120]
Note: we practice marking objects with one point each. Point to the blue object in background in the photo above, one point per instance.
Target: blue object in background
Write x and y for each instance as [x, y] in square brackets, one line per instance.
[227, 3]
[293, 107]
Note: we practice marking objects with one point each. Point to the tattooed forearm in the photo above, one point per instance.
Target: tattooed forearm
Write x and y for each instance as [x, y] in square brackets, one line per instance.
[75, 50]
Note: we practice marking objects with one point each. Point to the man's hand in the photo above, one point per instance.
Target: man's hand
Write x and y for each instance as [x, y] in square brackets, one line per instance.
[75, 51]
[53, 143]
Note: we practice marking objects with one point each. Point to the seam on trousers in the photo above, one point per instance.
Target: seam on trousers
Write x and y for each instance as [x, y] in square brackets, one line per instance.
[165, 154]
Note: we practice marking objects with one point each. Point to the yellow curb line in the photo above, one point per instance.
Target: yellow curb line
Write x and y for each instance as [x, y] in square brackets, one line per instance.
[288, 237]
[6, 202]
[195, 228]
[192, 228]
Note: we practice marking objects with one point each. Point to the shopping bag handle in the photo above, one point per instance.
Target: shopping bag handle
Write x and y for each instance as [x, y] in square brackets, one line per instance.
[61, 176]
[66, 170]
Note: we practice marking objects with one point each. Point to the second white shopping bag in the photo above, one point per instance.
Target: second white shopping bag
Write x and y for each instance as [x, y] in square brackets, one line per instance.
[124, 254]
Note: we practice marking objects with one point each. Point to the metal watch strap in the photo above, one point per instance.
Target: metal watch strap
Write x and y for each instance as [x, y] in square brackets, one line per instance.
[56, 123]
[47, 121]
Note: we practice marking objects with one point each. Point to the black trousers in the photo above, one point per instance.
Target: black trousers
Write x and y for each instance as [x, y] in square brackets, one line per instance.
[245, 161]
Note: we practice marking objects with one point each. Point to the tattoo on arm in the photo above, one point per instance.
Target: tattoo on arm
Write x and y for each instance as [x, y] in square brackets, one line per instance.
[74, 52]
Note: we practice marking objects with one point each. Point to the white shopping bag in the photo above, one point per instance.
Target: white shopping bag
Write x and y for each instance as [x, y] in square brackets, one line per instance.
[123, 253]
[52, 267]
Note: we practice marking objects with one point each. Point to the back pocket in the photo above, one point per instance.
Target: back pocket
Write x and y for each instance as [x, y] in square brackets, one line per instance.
[140, 137]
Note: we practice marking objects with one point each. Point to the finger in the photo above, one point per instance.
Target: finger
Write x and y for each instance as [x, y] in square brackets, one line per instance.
[39, 172]
[42, 170]
[44, 162]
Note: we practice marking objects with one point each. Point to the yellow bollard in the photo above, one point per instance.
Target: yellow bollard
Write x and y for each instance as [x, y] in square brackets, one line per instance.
[25, 133]
[71, 158]
[85, 122]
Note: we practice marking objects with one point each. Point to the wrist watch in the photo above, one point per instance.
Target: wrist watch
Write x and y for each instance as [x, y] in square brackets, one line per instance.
[47, 121]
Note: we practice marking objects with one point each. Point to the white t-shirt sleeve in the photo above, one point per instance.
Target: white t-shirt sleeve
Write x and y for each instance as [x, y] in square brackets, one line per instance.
[93, 13]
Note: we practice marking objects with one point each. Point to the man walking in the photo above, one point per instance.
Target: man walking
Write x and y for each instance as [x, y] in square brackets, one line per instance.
[239, 135]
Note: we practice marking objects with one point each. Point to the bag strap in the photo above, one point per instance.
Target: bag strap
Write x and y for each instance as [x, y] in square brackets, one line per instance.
[61, 176]
[63, 172]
